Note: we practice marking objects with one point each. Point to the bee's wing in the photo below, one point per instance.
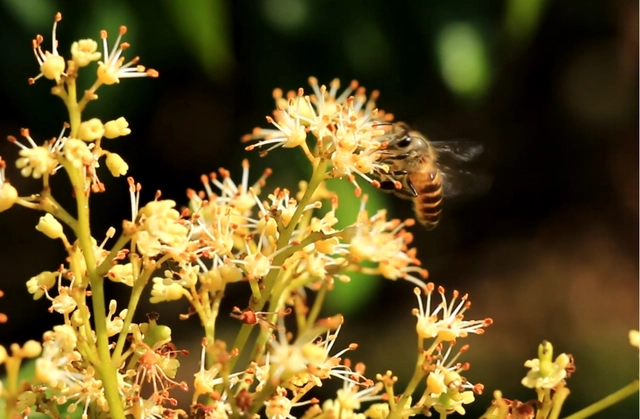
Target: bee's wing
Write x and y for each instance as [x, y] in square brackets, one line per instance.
[450, 152]
[458, 178]
[461, 182]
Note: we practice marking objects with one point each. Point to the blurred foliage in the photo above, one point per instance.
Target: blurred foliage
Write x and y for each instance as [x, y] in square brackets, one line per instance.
[549, 86]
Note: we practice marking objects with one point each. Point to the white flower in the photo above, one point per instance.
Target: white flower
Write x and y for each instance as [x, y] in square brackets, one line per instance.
[545, 373]
[51, 63]
[446, 321]
[37, 160]
[113, 68]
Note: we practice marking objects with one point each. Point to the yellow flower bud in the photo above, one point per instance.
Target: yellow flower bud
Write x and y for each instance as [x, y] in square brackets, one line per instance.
[8, 196]
[84, 52]
[31, 349]
[44, 279]
[633, 338]
[50, 227]
[116, 165]
[3, 354]
[230, 273]
[91, 130]
[116, 128]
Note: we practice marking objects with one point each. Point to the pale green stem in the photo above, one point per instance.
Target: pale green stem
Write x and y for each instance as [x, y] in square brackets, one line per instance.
[12, 365]
[317, 304]
[544, 396]
[559, 396]
[106, 370]
[610, 400]
[50, 205]
[318, 176]
[210, 333]
[230, 398]
[75, 113]
[104, 267]
[417, 377]
[136, 292]
[280, 287]
[261, 397]
[418, 374]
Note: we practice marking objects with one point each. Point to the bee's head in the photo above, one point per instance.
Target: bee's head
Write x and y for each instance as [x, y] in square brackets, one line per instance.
[408, 142]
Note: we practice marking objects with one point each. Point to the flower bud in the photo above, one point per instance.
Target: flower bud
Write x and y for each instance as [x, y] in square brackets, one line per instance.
[44, 279]
[116, 165]
[91, 130]
[50, 227]
[116, 128]
[8, 196]
[84, 52]
[31, 349]
[3, 354]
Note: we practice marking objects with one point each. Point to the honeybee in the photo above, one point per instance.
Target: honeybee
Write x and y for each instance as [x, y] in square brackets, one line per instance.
[426, 171]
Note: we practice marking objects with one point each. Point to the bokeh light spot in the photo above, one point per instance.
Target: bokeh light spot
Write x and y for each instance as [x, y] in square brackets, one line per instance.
[463, 60]
[285, 14]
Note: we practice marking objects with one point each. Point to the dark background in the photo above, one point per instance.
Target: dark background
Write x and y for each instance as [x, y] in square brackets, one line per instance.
[549, 87]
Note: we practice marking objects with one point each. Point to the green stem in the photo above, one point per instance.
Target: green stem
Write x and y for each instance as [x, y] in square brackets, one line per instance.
[317, 304]
[71, 101]
[210, 326]
[610, 400]
[418, 374]
[105, 369]
[318, 176]
[106, 264]
[559, 398]
[50, 205]
[136, 292]
[261, 397]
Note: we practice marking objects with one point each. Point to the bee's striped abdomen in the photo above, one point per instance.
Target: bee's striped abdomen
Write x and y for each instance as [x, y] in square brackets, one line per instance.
[428, 203]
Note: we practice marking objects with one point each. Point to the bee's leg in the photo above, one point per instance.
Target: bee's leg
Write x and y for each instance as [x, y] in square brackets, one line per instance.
[388, 186]
[395, 157]
[407, 190]
[412, 188]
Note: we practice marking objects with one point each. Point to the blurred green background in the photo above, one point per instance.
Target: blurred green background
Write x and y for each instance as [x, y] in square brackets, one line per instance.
[549, 87]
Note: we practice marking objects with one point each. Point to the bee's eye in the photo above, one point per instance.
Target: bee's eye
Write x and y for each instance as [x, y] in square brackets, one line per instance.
[404, 142]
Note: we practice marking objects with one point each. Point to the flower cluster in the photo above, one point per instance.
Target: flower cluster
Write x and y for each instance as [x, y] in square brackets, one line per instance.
[282, 247]
[349, 130]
